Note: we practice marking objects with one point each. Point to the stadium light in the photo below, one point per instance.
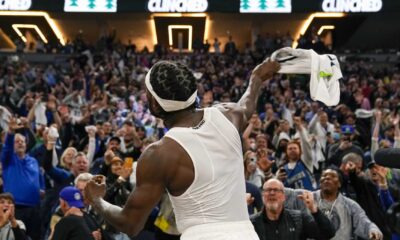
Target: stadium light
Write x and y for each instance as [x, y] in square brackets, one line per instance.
[16, 28]
[153, 30]
[207, 28]
[307, 23]
[190, 29]
[325, 27]
[46, 16]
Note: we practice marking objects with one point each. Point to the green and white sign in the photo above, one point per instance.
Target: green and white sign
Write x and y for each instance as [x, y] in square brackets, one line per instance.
[265, 6]
[90, 5]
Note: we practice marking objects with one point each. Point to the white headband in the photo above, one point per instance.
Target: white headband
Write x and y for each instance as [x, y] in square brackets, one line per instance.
[169, 105]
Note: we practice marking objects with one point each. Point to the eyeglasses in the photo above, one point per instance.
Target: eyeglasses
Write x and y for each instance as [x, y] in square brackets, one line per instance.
[272, 190]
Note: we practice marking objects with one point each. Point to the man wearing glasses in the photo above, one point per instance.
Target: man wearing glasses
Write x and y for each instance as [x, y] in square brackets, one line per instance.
[277, 222]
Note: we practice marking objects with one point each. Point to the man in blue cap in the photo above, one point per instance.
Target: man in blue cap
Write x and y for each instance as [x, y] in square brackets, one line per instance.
[346, 145]
[73, 226]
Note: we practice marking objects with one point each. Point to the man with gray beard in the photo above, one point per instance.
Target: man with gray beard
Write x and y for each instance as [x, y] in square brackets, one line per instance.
[276, 222]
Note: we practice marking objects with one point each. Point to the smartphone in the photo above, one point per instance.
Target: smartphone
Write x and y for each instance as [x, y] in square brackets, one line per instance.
[128, 162]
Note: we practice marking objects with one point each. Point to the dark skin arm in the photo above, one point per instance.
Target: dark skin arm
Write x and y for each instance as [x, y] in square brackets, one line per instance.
[172, 172]
[239, 113]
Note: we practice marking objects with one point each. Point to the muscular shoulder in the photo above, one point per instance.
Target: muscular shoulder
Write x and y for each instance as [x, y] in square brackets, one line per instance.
[162, 156]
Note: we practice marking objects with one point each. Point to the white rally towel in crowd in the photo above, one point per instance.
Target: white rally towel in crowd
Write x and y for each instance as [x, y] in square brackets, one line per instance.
[324, 70]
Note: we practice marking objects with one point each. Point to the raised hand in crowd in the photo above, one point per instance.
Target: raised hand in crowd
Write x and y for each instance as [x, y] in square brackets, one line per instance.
[308, 199]
[14, 124]
[297, 123]
[108, 156]
[125, 172]
[281, 174]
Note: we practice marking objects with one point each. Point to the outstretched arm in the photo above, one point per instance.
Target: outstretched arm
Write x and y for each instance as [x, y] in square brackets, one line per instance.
[240, 113]
[261, 73]
[150, 187]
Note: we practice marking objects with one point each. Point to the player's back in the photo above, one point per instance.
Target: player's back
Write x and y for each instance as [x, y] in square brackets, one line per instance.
[217, 194]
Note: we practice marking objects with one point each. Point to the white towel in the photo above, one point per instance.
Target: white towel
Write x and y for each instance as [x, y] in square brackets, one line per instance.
[40, 114]
[324, 70]
[4, 118]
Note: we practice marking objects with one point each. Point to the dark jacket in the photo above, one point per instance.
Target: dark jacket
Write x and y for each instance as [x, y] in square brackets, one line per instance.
[368, 196]
[293, 225]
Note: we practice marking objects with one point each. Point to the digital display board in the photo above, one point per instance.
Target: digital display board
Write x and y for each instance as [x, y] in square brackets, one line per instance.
[222, 6]
[265, 6]
[90, 5]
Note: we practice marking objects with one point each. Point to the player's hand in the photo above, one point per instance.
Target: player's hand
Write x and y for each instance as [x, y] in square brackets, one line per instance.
[95, 189]
[266, 69]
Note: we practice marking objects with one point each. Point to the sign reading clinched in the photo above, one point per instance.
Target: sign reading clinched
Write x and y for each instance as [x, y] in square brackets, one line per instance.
[177, 5]
[352, 5]
[15, 4]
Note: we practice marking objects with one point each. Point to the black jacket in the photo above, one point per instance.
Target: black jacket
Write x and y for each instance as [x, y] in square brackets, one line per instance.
[293, 225]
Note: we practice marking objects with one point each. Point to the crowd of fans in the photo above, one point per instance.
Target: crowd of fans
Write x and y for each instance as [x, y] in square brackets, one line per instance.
[62, 123]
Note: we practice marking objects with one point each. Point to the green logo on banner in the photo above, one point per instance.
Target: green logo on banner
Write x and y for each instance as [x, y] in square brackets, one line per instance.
[91, 4]
[263, 4]
[280, 3]
[245, 4]
[109, 4]
[74, 3]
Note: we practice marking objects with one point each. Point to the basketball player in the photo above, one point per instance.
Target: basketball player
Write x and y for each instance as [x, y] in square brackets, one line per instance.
[199, 161]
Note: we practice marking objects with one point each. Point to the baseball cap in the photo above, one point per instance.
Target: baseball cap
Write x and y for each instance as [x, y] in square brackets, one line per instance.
[347, 129]
[114, 138]
[116, 159]
[72, 196]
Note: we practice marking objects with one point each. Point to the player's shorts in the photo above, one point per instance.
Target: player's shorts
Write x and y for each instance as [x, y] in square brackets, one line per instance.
[242, 230]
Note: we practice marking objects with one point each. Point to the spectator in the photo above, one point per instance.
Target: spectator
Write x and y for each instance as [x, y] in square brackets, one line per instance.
[347, 217]
[73, 226]
[277, 222]
[10, 227]
[22, 178]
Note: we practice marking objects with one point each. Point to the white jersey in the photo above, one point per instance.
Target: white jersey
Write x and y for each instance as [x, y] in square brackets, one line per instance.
[218, 193]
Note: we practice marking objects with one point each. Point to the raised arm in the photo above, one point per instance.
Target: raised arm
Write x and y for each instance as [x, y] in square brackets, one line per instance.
[375, 133]
[8, 148]
[240, 113]
[263, 72]
[396, 132]
[149, 188]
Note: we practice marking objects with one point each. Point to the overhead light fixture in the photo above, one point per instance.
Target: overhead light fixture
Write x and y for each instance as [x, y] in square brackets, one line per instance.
[49, 20]
[153, 30]
[188, 27]
[16, 28]
[307, 23]
[325, 27]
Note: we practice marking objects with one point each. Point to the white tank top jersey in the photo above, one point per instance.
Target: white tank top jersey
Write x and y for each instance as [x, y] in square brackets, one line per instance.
[218, 193]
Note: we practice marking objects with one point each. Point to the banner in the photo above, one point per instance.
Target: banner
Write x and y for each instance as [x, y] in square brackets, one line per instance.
[90, 5]
[265, 6]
